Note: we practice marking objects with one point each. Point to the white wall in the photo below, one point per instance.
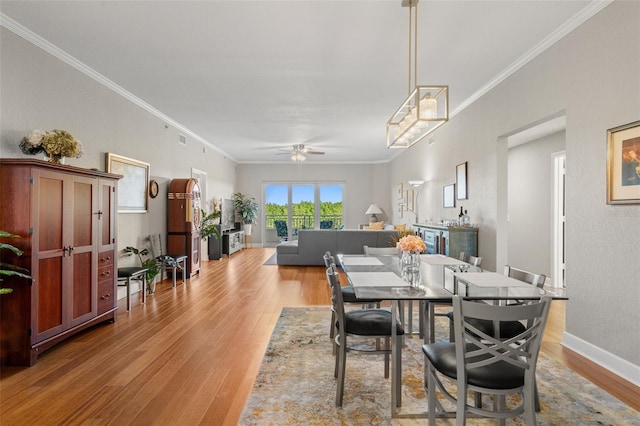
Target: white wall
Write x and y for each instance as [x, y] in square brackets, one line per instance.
[591, 75]
[41, 92]
[530, 203]
[364, 184]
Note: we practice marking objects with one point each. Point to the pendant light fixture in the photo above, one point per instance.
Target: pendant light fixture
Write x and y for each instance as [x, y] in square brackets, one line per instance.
[426, 108]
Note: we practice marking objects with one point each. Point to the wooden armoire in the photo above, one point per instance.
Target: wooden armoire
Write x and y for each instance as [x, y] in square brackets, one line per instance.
[183, 222]
[66, 219]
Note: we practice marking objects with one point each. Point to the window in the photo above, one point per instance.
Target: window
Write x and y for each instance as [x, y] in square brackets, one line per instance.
[293, 206]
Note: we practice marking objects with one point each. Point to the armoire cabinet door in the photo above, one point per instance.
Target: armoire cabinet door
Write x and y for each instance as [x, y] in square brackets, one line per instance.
[66, 281]
[82, 253]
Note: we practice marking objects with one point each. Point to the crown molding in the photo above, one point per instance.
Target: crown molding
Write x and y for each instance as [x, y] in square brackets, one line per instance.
[60, 54]
[574, 22]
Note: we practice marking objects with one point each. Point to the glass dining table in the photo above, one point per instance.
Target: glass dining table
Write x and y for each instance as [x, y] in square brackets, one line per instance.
[442, 277]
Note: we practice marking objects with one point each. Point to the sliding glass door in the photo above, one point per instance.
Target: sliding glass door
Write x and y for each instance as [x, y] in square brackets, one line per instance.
[290, 207]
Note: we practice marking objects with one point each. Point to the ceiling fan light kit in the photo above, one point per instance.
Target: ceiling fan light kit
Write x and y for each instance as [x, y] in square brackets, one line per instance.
[300, 153]
[426, 108]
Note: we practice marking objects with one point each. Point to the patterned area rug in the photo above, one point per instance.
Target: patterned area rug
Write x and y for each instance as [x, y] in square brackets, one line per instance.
[295, 385]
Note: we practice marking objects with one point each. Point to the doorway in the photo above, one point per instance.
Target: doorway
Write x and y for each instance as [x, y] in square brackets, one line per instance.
[530, 232]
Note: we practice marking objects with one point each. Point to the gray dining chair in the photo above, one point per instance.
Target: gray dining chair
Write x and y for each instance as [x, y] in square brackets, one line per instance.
[506, 329]
[486, 364]
[356, 325]
[348, 296]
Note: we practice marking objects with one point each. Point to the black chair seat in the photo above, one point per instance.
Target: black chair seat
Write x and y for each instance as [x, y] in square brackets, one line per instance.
[349, 296]
[130, 271]
[500, 375]
[370, 322]
[508, 329]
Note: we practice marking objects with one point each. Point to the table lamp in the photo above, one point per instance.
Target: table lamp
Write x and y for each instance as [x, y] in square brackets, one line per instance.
[373, 210]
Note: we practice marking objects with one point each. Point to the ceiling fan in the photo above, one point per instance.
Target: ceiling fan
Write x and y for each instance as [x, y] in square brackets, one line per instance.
[300, 152]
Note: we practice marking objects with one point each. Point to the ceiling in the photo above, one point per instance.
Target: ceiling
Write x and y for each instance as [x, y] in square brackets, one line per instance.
[254, 77]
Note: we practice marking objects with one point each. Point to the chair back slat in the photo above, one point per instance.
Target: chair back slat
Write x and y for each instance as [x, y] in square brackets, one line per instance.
[476, 349]
[526, 276]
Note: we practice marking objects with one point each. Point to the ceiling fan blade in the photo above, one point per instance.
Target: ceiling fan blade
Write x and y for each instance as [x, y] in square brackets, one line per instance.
[312, 152]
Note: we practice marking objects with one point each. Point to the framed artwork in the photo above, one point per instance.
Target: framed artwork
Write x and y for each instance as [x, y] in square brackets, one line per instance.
[623, 164]
[448, 195]
[461, 181]
[400, 193]
[400, 210]
[406, 199]
[134, 185]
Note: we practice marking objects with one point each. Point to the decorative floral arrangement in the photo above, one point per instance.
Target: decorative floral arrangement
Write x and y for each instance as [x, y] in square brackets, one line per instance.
[55, 143]
[412, 243]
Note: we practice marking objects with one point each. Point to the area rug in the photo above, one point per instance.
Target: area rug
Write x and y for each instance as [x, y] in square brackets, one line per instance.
[273, 260]
[295, 384]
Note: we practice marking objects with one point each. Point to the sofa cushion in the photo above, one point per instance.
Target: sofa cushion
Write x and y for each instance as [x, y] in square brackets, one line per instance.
[288, 247]
[313, 243]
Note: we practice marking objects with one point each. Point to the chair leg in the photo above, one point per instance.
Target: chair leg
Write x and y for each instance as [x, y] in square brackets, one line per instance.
[431, 392]
[342, 358]
[144, 288]
[129, 294]
[173, 276]
[501, 404]
[398, 371]
[387, 348]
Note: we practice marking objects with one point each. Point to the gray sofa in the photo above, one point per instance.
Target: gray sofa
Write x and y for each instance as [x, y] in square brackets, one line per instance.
[313, 243]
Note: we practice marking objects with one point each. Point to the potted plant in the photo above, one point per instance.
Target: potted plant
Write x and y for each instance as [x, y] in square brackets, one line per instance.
[8, 269]
[247, 208]
[150, 264]
[209, 224]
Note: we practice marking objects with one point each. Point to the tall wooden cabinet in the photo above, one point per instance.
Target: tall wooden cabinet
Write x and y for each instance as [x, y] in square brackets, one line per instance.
[66, 217]
[183, 222]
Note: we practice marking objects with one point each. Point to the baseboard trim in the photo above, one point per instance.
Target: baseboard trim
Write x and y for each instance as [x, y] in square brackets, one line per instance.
[611, 362]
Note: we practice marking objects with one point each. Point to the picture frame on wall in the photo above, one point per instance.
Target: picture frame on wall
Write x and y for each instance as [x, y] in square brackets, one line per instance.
[623, 164]
[134, 185]
[448, 195]
[400, 193]
[461, 181]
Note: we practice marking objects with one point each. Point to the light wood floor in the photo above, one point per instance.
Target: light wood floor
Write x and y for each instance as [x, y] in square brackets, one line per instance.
[191, 354]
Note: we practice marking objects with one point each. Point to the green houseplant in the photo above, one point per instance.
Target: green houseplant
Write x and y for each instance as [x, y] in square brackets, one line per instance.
[150, 264]
[209, 224]
[8, 269]
[247, 208]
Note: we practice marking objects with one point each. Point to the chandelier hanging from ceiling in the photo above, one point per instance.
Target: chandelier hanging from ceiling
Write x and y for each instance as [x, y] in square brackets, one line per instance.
[426, 108]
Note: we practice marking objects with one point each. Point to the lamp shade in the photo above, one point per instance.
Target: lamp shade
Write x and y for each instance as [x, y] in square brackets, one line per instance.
[374, 209]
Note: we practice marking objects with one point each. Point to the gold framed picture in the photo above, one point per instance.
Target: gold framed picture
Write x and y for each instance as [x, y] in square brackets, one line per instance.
[623, 164]
[134, 185]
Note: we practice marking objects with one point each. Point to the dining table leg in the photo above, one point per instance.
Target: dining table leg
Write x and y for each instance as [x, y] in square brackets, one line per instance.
[396, 361]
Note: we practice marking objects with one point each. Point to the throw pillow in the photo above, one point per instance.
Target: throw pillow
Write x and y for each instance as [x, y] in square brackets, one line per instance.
[400, 227]
[376, 225]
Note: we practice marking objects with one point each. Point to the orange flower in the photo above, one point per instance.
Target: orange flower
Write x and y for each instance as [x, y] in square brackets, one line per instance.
[412, 243]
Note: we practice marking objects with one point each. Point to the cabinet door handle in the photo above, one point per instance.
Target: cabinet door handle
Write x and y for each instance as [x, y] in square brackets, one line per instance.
[105, 259]
[106, 296]
[64, 251]
[106, 273]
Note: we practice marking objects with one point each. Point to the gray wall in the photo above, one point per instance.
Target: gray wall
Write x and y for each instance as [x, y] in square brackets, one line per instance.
[41, 92]
[530, 204]
[364, 184]
[592, 76]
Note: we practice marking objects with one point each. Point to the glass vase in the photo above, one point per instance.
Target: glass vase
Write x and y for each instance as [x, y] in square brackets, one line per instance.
[410, 263]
